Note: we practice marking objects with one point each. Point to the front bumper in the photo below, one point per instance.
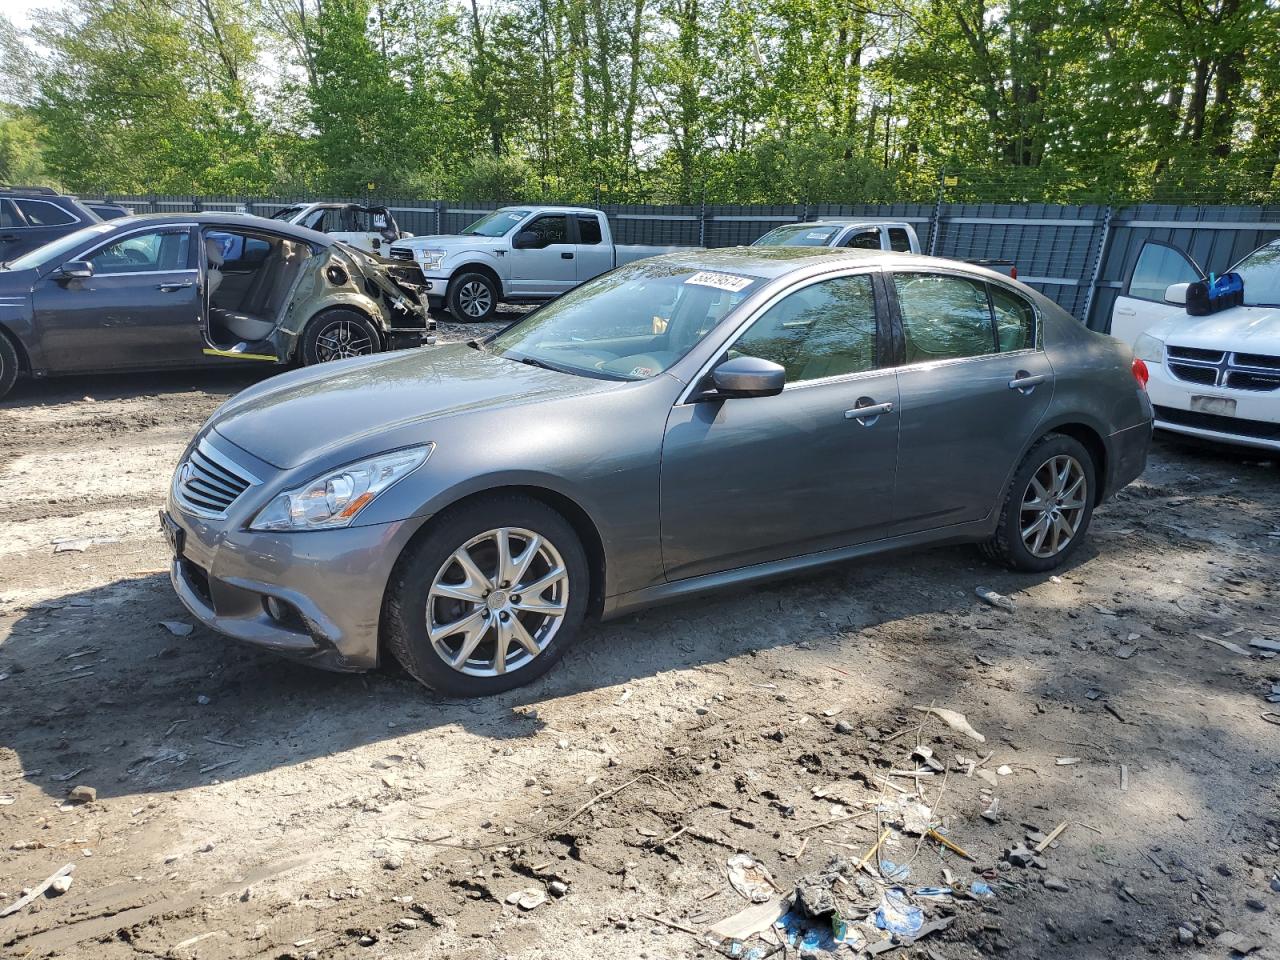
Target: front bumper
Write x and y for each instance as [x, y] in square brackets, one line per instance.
[328, 584]
[1255, 423]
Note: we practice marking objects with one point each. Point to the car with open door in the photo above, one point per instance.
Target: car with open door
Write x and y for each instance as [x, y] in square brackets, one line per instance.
[183, 290]
[1211, 343]
[691, 421]
[370, 228]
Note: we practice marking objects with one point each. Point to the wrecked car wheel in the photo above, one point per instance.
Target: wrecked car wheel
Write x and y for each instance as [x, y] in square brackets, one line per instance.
[490, 599]
[1047, 507]
[8, 365]
[473, 297]
[337, 335]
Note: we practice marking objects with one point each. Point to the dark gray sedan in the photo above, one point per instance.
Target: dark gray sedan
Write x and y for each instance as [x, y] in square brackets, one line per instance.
[683, 423]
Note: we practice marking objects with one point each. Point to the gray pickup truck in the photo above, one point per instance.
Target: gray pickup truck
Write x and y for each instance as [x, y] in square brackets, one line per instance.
[524, 254]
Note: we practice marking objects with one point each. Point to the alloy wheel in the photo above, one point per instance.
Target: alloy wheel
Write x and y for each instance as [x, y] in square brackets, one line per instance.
[475, 299]
[341, 339]
[497, 602]
[1053, 506]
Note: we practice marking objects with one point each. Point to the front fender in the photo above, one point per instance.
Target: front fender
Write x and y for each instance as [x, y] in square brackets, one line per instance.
[17, 320]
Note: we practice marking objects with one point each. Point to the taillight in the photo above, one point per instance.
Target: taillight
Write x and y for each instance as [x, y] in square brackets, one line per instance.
[1140, 372]
[1013, 272]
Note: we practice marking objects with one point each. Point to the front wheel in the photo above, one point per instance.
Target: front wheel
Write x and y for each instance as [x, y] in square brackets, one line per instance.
[8, 365]
[1047, 507]
[473, 297]
[336, 335]
[490, 599]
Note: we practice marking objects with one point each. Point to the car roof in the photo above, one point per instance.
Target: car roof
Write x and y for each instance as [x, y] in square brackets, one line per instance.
[769, 262]
[247, 221]
[546, 208]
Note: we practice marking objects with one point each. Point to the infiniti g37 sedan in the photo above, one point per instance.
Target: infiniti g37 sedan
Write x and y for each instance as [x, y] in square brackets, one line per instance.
[155, 292]
[687, 422]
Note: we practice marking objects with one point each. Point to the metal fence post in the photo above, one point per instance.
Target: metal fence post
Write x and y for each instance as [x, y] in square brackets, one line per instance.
[439, 217]
[1096, 273]
[935, 222]
[702, 220]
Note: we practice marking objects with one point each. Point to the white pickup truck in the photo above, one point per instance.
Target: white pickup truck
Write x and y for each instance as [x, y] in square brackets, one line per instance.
[895, 235]
[525, 254]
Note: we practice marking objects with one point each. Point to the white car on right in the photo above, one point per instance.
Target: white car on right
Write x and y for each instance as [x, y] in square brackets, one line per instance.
[1214, 376]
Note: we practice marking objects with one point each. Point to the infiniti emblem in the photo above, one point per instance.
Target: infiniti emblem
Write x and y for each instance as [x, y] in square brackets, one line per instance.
[184, 472]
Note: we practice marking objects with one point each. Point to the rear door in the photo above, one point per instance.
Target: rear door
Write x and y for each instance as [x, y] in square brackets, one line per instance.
[141, 308]
[11, 228]
[592, 255]
[36, 223]
[750, 480]
[974, 385]
[546, 269]
[1142, 304]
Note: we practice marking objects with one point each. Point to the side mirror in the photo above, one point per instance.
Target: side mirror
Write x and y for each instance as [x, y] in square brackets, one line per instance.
[528, 240]
[75, 270]
[1176, 293]
[749, 377]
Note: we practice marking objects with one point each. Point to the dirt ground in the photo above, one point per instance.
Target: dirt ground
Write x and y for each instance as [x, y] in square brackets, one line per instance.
[249, 807]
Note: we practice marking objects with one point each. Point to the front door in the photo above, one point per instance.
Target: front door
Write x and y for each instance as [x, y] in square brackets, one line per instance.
[1142, 305]
[747, 481]
[141, 307]
[543, 265]
[974, 385]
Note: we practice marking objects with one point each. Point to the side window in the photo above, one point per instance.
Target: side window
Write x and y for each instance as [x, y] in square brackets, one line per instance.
[143, 253]
[1159, 266]
[1015, 320]
[9, 216]
[315, 220]
[589, 230]
[899, 240]
[826, 329]
[944, 317]
[864, 240]
[40, 213]
[554, 229]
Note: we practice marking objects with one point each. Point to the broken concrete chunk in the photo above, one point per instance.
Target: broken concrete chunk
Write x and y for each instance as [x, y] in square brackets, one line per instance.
[83, 794]
[991, 598]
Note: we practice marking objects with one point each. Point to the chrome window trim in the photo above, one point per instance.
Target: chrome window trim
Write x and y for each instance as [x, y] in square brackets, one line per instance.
[951, 361]
[41, 226]
[142, 273]
[836, 273]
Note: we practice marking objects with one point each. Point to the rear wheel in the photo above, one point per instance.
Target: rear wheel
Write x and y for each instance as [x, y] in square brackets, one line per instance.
[338, 334]
[1047, 507]
[473, 297]
[490, 599]
[8, 365]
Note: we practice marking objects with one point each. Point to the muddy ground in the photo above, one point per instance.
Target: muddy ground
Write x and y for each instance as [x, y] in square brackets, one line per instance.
[250, 807]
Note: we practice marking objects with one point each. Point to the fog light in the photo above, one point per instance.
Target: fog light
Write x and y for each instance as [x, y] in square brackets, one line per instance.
[283, 613]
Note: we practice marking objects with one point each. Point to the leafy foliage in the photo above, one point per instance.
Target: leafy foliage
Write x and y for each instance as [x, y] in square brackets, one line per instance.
[651, 100]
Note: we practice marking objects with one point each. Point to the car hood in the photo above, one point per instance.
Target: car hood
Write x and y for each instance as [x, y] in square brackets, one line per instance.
[453, 242]
[301, 416]
[1242, 329]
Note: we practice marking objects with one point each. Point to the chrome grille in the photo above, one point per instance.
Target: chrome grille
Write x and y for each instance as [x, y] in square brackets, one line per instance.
[401, 253]
[1219, 368]
[208, 482]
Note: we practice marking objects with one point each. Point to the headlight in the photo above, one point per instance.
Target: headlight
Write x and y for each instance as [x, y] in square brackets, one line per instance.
[1148, 348]
[335, 499]
[432, 258]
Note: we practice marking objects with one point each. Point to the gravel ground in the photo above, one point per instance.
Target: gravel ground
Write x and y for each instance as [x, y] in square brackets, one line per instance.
[250, 807]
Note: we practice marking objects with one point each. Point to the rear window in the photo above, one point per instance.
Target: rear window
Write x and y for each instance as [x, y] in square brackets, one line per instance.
[899, 240]
[589, 230]
[42, 213]
[798, 235]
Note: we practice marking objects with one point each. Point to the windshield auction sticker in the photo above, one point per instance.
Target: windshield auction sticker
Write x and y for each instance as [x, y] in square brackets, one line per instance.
[721, 281]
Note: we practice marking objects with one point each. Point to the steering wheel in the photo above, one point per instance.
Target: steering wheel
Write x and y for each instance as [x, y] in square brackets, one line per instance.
[135, 256]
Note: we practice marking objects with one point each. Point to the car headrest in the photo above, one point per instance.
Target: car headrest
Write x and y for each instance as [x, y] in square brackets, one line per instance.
[213, 250]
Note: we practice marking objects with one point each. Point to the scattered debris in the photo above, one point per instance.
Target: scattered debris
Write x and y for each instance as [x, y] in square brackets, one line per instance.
[1066, 761]
[990, 597]
[177, 627]
[897, 914]
[750, 878]
[83, 794]
[956, 721]
[38, 890]
[754, 919]
[1225, 644]
[529, 899]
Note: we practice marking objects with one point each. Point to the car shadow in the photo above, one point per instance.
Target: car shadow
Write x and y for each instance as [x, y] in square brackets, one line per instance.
[57, 391]
[100, 689]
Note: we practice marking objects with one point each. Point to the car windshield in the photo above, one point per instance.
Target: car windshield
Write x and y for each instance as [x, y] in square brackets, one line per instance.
[798, 235]
[630, 324]
[57, 249]
[1260, 272]
[287, 213]
[496, 224]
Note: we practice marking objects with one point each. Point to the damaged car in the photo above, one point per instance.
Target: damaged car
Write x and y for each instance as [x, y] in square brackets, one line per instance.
[372, 229]
[183, 290]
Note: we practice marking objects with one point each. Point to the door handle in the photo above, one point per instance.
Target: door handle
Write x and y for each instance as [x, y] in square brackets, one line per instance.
[171, 287]
[1024, 382]
[566, 256]
[8, 236]
[1126, 311]
[868, 411]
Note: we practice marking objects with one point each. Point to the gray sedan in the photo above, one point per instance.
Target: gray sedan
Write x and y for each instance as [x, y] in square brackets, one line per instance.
[683, 423]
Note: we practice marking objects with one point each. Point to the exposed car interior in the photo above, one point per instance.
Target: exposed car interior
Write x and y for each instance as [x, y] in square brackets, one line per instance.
[249, 278]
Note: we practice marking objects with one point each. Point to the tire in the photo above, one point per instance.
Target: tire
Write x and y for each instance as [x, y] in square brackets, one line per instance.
[337, 334]
[1044, 549]
[415, 608]
[473, 297]
[9, 365]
